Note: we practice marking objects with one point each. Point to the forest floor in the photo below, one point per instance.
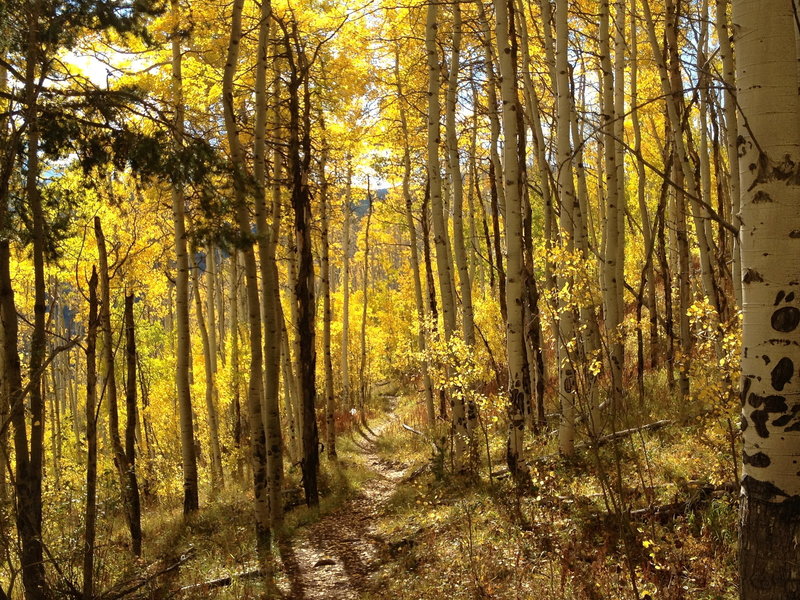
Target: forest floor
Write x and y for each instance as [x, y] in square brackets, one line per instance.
[329, 554]
[394, 523]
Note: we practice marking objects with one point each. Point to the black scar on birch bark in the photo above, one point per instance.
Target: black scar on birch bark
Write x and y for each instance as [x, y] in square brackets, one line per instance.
[782, 373]
[787, 318]
[766, 491]
[745, 389]
[784, 419]
[758, 460]
[760, 416]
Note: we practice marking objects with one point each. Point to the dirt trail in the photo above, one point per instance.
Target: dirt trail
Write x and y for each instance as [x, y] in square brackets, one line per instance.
[333, 558]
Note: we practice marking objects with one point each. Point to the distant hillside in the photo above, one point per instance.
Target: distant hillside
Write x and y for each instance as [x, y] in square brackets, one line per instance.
[360, 207]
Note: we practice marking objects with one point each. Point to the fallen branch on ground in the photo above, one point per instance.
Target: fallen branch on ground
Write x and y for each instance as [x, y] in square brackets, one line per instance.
[126, 588]
[617, 435]
[670, 510]
[422, 434]
[221, 582]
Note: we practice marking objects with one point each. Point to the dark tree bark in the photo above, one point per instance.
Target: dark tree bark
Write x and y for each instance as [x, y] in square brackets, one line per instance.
[127, 476]
[299, 146]
[135, 507]
[91, 442]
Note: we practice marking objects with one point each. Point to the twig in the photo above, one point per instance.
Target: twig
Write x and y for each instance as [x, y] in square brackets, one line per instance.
[120, 591]
[221, 582]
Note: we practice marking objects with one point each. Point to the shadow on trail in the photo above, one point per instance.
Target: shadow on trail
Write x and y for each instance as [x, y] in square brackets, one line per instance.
[333, 558]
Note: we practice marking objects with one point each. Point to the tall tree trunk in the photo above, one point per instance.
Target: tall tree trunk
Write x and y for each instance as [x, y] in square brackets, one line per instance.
[434, 176]
[731, 137]
[211, 380]
[612, 285]
[412, 232]
[767, 80]
[430, 286]
[345, 341]
[566, 193]
[258, 441]
[120, 457]
[5, 175]
[641, 183]
[464, 420]
[671, 87]
[90, 514]
[235, 379]
[495, 166]
[325, 277]
[290, 394]
[362, 371]
[191, 498]
[440, 241]
[212, 294]
[456, 182]
[267, 242]
[299, 147]
[515, 277]
[130, 428]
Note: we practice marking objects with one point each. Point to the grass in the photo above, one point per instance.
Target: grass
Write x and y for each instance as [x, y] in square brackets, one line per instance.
[554, 540]
[446, 538]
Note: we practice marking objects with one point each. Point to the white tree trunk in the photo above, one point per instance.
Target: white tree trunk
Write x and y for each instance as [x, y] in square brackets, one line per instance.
[191, 500]
[515, 327]
[767, 81]
[566, 194]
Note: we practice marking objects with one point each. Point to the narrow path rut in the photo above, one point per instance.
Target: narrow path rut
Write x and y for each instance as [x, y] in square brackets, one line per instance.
[333, 558]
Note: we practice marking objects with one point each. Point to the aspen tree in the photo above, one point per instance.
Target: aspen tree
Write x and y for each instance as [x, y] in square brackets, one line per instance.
[191, 499]
[731, 136]
[267, 242]
[671, 87]
[620, 44]
[210, 380]
[550, 225]
[255, 413]
[440, 238]
[125, 470]
[300, 151]
[131, 412]
[212, 294]
[4, 389]
[566, 187]
[430, 284]
[456, 181]
[412, 232]
[641, 184]
[497, 189]
[612, 288]
[345, 341]
[362, 371]
[533, 113]
[4, 418]
[90, 510]
[767, 82]
[463, 419]
[325, 284]
[515, 335]
[235, 378]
